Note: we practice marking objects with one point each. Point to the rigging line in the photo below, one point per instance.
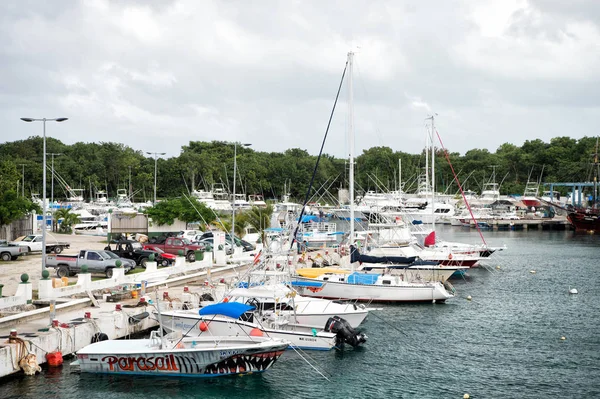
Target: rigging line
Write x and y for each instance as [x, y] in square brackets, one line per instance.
[460, 186]
[307, 362]
[312, 179]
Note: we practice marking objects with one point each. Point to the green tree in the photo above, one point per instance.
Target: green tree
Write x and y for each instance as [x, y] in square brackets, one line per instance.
[260, 218]
[68, 219]
[13, 207]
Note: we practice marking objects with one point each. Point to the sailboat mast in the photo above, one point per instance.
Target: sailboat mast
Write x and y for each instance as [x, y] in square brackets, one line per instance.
[432, 175]
[351, 143]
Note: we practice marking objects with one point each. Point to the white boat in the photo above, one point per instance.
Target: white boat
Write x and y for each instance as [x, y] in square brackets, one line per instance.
[372, 287]
[181, 356]
[222, 320]
[305, 310]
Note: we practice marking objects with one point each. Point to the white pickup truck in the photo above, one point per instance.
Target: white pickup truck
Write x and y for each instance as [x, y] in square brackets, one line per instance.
[33, 243]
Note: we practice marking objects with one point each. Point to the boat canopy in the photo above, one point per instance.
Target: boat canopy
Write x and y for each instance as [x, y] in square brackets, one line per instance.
[356, 256]
[230, 309]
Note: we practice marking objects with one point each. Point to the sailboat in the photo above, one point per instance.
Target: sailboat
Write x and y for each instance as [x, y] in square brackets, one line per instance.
[362, 286]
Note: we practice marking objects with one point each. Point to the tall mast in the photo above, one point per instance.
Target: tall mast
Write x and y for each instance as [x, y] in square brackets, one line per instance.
[432, 175]
[351, 144]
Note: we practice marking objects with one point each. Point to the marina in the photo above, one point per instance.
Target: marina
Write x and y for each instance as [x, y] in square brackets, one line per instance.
[504, 342]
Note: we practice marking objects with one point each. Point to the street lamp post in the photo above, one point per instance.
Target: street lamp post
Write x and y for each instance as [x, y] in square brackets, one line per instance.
[233, 199]
[52, 188]
[155, 169]
[44, 182]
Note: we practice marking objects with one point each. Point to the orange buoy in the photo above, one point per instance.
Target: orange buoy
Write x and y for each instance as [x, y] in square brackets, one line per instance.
[203, 326]
[225, 299]
[256, 332]
[54, 359]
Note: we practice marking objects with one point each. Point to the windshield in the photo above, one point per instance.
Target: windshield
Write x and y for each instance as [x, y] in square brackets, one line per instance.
[136, 246]
[156, 249]
[109, 255]
[186, 241]
[28, 238]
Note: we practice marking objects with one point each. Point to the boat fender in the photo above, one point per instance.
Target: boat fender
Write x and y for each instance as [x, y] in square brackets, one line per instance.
[99, 337]
[138, 317]
[450, 256]
[54, 359]
[203, 326]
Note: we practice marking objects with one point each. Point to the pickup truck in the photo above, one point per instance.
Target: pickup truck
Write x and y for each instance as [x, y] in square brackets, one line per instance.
[131, 249]
[96, 261]
[33, 242]
[9, 251]
[173, 245]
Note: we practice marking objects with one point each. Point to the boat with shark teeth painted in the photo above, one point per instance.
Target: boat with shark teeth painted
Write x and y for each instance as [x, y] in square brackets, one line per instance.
[177, 356]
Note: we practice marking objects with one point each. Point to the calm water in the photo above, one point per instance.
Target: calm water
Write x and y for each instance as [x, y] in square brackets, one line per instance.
[505, 343]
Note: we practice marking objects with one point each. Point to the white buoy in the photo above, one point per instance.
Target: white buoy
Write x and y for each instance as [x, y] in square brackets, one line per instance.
[469, 297]
[466, 396]
[532, 271]
[563, 338]
[573, 291]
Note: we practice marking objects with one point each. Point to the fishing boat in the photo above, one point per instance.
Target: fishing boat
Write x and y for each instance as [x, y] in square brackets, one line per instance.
[587, 219]
[174, 355]
[236, 319]
[302, 309]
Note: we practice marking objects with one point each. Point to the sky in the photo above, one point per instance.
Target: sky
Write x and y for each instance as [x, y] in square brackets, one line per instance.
[157, 74]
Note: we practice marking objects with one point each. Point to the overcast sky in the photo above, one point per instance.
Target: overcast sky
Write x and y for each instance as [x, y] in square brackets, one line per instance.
[156, 74]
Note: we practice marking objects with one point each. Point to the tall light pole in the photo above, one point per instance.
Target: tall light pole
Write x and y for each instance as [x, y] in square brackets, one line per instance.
[155, 169]
[44, 182]
[233, 199]
[23, 184]
[52, 188]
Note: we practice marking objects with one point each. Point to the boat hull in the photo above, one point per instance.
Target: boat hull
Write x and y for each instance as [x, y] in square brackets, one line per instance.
[138, 357]
[190, 324]
[413, 292]
[583, 221]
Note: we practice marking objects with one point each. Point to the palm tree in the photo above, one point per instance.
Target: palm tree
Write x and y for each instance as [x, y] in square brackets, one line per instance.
[68, 219]
[260, 218]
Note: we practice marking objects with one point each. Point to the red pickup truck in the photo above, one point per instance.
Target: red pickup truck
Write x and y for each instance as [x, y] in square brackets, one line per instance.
[173, 245]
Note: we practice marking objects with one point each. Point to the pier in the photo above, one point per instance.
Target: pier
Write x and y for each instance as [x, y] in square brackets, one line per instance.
[67, 324]
[555, 223]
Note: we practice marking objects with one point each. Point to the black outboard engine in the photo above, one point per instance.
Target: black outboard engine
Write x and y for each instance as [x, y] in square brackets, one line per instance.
[344, 331]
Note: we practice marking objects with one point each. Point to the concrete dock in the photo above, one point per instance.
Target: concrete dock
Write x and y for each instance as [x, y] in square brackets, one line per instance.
[78, 320]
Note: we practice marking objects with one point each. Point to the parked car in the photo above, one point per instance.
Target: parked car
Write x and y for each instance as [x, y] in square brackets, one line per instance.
[169, 257]
[189, 234]
[10, 251]
[161, 239]
[209, 243]
[173, 245]
[33, 243]
[131, 249]
[238, 241]
[96, 261]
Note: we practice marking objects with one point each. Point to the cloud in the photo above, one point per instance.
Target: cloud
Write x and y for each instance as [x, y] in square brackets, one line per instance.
[157, 74]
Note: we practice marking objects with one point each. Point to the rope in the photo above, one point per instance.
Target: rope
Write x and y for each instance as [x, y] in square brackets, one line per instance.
[312, 179]
[310, 364]
[460, 186]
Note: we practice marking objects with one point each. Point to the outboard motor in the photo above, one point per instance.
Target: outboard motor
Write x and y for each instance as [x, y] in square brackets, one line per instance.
[344, 331]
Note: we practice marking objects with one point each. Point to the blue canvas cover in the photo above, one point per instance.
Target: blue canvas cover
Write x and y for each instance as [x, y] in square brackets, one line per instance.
[306, 284]
[362, 278]
[230, 309]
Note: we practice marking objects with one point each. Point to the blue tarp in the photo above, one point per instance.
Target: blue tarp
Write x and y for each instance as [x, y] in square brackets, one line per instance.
[306, 284]
[360, 278]
[230, 309]
[310, 218]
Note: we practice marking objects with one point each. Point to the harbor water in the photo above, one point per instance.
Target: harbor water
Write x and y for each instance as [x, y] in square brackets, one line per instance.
[506, 342]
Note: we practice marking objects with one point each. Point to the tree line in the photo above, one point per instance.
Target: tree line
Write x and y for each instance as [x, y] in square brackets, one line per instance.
[200, 165]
